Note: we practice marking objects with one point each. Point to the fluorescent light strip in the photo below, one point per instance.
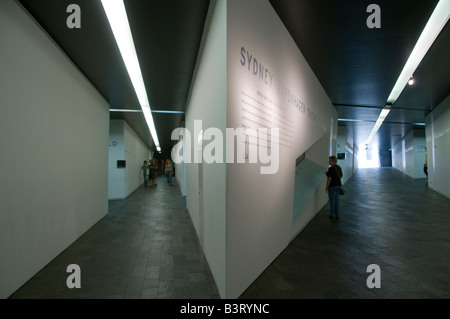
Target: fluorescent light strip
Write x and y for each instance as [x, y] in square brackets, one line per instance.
[118, 20]
[354, 120]
[125, 111]
[434, 26]
[384, 113]
[167, 112]
[437, 21]
[140, 111]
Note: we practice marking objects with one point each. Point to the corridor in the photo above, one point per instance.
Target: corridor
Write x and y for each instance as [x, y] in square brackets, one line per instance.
[388, 219]
[146, 247]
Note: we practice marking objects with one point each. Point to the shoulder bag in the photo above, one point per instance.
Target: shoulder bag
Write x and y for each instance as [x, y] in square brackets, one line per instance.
[342, 191]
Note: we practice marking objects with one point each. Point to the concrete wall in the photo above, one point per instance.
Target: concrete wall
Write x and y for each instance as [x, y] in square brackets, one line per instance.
[54, 146]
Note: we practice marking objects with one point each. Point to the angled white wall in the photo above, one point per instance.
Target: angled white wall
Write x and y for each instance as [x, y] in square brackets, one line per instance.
[206, 183]
[438, 147]
[420, 150]
[270, 85]
[408, 156]
[345, 145]
[398, 156]
[54, 149]
[244, 219]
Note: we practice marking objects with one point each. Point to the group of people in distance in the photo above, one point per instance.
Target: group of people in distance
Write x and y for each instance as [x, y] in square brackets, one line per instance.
[333, 184]
[150, 171]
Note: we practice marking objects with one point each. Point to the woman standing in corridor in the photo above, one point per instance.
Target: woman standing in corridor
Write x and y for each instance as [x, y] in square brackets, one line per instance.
[333, 187]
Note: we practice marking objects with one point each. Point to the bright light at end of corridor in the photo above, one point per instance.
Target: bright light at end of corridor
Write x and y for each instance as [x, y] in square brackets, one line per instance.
[368, 159]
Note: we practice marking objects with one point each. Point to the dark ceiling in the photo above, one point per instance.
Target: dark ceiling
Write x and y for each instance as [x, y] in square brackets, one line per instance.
[357, 66]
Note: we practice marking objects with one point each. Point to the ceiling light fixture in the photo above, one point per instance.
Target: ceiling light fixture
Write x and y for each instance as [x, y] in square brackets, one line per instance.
[125, 111]
[354, 120]
[411, 81]
[118, 20]
[384, 113]
[167, 112]
[434, 26]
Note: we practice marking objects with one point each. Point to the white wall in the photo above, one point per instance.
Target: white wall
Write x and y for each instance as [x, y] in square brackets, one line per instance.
[180, 170]
[408, 156]
[124, 144]
[206, 192]
[287, 96]
[136, 152]
[345, 145]
[419, 145]
[398, 153]
[116, 176]
[318, 153]
[438, 147]
[54, 146]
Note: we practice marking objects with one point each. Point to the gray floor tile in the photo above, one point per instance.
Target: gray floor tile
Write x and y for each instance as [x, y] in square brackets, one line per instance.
[147, 248]
[388, 219]
[139, 250]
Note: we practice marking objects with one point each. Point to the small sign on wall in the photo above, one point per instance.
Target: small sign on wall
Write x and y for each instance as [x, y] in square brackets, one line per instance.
[121, 164]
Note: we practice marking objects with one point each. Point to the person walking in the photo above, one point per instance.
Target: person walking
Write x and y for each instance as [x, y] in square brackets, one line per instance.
[169, 171]
[154, 170]
[145, 168]
[333, 186]
[163, 167]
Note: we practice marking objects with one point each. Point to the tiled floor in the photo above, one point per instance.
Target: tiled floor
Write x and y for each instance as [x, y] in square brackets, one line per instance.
[387, 219]
[146, 247]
